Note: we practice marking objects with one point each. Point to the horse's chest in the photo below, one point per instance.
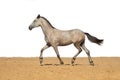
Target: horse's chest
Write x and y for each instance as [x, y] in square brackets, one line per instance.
[49, 39]
[46, 39]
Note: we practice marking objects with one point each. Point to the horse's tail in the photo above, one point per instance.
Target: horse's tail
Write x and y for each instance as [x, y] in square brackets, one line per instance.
[94, 39]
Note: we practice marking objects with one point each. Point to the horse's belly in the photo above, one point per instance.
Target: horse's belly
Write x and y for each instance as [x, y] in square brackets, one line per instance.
[65, 42]
[61, 44]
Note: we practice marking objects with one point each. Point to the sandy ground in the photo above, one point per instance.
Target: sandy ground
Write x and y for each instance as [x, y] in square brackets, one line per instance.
[30, 69]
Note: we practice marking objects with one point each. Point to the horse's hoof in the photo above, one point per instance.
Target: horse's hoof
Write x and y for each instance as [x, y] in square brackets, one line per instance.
[91, 63]
[72, 62]
[41, 63]
[62, 63]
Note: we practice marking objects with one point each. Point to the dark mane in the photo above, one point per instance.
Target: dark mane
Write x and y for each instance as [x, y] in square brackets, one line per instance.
[48, 22]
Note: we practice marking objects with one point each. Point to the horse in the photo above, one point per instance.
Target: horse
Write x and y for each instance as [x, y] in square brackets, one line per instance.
[55, 37]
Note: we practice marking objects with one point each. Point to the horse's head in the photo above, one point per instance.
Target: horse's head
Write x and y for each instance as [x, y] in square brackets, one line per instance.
[35, 23]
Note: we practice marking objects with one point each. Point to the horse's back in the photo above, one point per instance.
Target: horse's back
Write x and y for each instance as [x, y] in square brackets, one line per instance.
[77, 31]
[75, 35]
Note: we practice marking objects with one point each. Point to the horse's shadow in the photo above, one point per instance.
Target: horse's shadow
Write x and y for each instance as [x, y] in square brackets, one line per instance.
[60, 64]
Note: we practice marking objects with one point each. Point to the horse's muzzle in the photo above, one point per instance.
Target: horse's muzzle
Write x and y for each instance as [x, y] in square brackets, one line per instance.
[30, 27]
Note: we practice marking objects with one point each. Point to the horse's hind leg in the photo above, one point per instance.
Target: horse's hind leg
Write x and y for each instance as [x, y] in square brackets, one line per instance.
[88, 53]
[77, 45]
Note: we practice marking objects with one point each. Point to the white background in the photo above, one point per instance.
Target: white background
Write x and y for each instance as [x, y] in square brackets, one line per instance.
[100, 18]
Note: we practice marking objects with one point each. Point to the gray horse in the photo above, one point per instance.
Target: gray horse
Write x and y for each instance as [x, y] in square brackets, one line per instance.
[55, 38]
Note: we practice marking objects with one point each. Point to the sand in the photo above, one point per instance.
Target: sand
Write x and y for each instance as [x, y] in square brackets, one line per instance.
[30, 69]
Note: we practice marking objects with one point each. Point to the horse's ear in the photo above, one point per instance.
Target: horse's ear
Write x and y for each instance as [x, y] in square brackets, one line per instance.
[38, 16]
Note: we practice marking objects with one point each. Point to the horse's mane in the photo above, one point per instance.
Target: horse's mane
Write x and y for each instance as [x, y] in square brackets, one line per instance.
[48, 22]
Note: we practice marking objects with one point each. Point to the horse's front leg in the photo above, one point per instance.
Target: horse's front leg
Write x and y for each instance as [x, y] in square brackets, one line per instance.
[41, 54]
[57, 52]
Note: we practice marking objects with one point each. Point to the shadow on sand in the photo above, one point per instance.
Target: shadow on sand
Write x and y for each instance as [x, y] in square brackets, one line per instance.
[60, 64]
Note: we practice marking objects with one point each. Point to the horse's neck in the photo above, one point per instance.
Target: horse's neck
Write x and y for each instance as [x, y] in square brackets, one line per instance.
[46, 27]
